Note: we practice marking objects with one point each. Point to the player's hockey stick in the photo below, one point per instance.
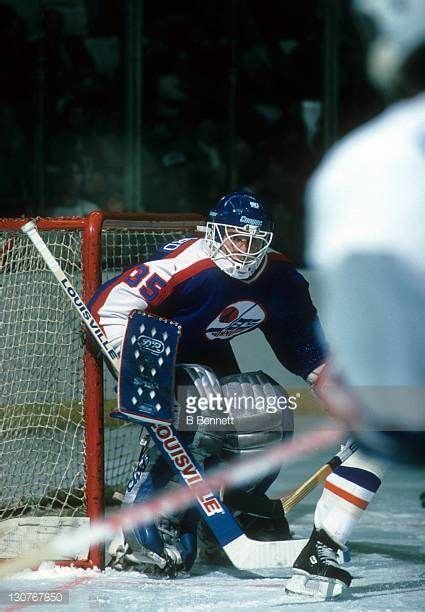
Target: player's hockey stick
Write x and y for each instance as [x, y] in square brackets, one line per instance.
[290, 501]
[243, 552]
[236, 473]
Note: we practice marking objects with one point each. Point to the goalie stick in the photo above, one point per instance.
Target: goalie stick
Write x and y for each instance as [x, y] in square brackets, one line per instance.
[243, 552]
[235, 473]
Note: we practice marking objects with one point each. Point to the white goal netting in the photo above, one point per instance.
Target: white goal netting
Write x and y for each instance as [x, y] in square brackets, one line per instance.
[42, 441]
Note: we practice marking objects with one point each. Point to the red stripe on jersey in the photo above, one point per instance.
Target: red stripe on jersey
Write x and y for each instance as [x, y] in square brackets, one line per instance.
[180, 277]
[356, 501]
[180, 249]
[165, 291]
[102, 297]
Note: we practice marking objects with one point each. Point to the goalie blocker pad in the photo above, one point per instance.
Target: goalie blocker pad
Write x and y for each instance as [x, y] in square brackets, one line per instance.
[146, 376]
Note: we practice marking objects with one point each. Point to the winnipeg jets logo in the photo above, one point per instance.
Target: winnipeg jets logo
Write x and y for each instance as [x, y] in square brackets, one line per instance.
[235, 319]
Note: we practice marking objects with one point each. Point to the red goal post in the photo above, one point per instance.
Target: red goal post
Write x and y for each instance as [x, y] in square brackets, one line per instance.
[58, 445]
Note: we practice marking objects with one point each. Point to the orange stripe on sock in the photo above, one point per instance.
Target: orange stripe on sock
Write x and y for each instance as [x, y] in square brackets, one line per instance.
[356, 501]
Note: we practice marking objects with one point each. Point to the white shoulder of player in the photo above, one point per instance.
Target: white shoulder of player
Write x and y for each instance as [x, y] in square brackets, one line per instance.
[194, 253]
[368, 194]
[144, 286]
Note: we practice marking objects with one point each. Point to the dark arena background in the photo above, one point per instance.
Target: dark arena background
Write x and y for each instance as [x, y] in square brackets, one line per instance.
[159, 105]
[145, 112]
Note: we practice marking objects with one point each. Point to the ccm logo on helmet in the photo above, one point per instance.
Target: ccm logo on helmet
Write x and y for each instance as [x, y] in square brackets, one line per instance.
[251, 221]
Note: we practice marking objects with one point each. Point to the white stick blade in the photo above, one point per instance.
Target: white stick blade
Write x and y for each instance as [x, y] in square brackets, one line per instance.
[248, 554]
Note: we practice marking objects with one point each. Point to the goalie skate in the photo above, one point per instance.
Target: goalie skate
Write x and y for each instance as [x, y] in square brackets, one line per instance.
[124, 559]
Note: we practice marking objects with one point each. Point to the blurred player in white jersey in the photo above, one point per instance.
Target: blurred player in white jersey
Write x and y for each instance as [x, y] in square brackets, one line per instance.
[366, 207]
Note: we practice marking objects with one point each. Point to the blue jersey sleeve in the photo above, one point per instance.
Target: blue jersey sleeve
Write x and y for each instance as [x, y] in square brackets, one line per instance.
[295, 332]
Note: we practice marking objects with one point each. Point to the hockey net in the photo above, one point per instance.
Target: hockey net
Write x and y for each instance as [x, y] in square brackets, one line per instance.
[60, 452]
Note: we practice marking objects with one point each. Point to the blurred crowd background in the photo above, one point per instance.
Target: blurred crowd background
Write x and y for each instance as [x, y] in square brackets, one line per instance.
[163, 105]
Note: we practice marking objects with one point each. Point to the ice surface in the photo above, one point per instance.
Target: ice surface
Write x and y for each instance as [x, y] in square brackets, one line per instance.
[387, 565]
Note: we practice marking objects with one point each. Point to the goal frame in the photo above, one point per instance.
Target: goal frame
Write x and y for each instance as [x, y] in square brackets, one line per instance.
[91, 228]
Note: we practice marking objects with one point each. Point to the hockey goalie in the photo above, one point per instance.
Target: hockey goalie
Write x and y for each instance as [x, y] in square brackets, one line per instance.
[171, 544]
[212, 288]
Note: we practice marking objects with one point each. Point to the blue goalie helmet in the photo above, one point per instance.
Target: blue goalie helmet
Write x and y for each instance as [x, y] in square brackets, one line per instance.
[238, 234]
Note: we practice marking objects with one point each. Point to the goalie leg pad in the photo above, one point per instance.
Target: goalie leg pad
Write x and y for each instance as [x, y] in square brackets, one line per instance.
[169, 545]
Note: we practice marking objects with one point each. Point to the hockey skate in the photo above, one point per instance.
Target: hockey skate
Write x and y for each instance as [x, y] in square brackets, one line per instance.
[122, 558]
[316, 571]
[171, 564]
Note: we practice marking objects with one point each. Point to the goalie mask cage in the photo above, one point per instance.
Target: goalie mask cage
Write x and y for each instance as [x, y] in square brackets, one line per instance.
[59, 450]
